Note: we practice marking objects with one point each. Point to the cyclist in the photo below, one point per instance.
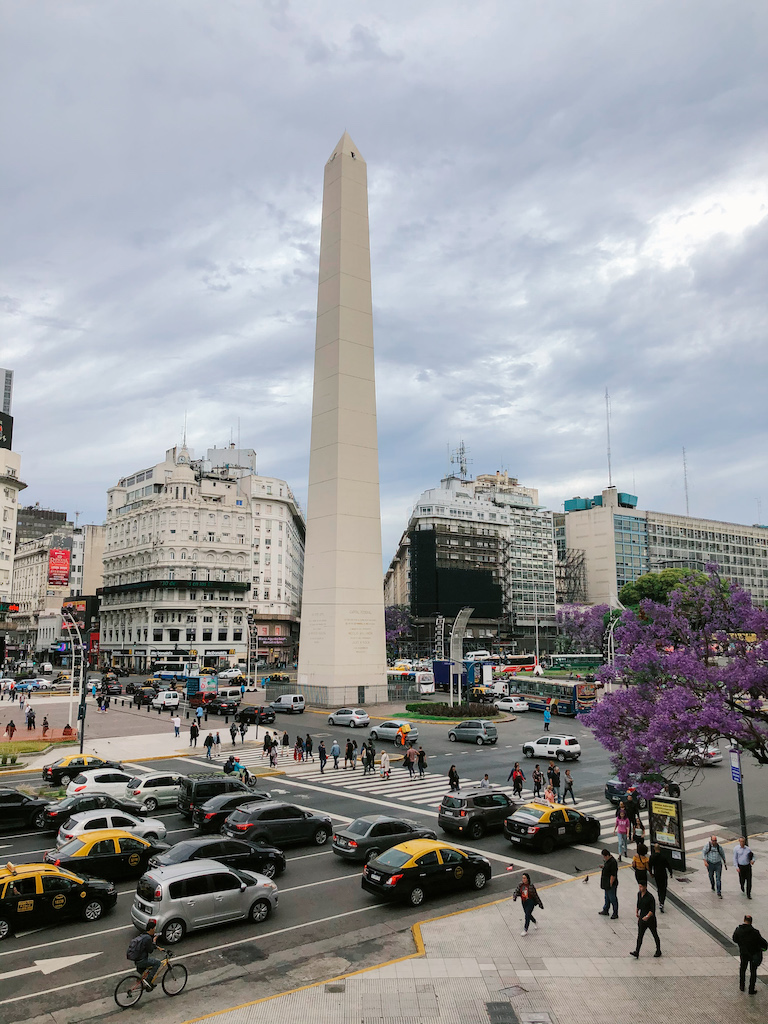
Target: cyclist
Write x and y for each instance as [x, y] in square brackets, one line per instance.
[147, 964]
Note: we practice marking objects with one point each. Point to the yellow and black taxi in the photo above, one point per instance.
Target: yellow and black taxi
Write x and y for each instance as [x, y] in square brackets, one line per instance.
[424, 867]
[61, 772]
[542, 827]
[40, 894]
[106, 853]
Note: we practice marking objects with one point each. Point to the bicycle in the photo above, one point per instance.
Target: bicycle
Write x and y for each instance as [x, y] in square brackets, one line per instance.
[173, 979]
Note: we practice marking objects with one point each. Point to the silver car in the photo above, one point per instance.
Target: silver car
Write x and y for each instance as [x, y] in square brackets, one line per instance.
[156, 789]
[200, 894]
[108, 817]
[353, 717]
[388, 730]
[475, 730]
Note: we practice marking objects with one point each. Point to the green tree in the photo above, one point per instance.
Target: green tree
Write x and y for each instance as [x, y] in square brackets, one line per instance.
[657, 586]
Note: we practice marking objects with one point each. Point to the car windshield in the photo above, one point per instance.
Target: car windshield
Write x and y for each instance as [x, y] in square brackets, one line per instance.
[133, 783]
[453, 801]
[359, 827]
[69, 823]
[145, 890]
[72, 848]
[80, 779]
[526, 814]
[65, 804]
[393, 858]
[239, 815]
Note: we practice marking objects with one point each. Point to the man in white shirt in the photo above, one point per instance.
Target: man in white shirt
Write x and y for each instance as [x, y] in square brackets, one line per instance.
[743, 858]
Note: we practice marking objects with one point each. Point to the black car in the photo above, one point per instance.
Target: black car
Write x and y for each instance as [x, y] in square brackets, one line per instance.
[236, 853]
[222, 706]
[365, 838]
[414, 870]
[210, 816]
[54, 815]
[198, 788]
[62, 772]
[109, 853]
[252, 715]
[475, 811]
[542, 827]
[42, 894]
[278, 823]
[616, 791]
[144, 695]
[17, 809]
[114, 689]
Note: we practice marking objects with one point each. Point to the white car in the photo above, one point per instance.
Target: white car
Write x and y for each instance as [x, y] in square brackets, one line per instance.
[230, 673]
[353, 717]
[103, 780]
[564, 748]
[700, 754]
[109, 817]
[510, 704]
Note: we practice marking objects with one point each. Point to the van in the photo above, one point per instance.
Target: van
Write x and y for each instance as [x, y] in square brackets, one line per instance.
[477, 655]
[46, 668]
[195, 789]
[166, 699]
[292, 703]
[230, 693]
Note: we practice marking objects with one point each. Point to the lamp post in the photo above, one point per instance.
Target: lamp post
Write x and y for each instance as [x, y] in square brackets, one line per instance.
[76, 644]
[536, 617]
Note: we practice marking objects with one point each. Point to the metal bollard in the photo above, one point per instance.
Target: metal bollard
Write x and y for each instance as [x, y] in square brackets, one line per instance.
[186, 714]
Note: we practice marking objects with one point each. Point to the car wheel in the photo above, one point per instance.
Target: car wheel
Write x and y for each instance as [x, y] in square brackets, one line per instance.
[374, 734]
[320, 837]
[452, 737]
[547, 845]
[151, 837]
[269, 870]
[560, 755]
[5, 928]
[39, 820]
[93, 910]
[331, 721]
[477, 830]
[594, 835]
[479, 741]
[65, 780]
[479, 880]
[174, 931]
[351, 723]
[259, 912]
[528, 751]
[151, 805]
[416, 897]
[371, 855]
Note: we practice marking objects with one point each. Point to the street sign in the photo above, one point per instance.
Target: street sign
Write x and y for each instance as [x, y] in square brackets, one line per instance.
[735, 764]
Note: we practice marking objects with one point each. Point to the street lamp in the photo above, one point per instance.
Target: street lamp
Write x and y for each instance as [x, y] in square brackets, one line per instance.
[76, 644]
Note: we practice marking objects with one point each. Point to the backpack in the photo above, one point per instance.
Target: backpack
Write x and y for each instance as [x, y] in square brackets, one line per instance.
[134, 948]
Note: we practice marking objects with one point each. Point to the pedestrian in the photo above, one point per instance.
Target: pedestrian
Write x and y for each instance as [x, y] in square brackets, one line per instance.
[485, 782]
[609, 883]
[199, 714]
[10, 729]
[354, 754]
[273, 755]
[176, 725]
[335, 754]
[243, 731]
[659, 868]
[422, 762]
[743, 859]
[518, 778]
[22, 698]
[633, 811]
[714, 858]
[208, 744]
[322, 755]
[640, 864]
[233, 732]
[31, 720]
[555, 781]
[217, 743]
[371, 757]
[530, 899]
[411, 756]
[751, 945]
[646, 920]
[453, 778]
[46, 727]
[308, 749]
[568, 786]
[296, 750]
[194, 732]
[347, 753]
[547, 718]
[538, 781]
[285, 743]
[549, 796]
[621, 830]
[386, 771]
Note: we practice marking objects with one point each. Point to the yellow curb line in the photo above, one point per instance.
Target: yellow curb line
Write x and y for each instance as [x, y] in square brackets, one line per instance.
[420, 952]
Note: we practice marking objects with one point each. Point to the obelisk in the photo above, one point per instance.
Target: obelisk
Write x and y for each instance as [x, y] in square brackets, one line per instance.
[342, 652]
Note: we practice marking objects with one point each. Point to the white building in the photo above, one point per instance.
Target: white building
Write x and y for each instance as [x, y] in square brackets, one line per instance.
[41, 575]
[87, 574]
[193, 549]
[10, 468]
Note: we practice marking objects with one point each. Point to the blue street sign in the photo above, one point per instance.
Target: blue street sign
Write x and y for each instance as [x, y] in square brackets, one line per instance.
[735, 764]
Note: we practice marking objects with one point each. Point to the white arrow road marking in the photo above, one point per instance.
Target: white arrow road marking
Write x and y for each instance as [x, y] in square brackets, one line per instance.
[55, 963]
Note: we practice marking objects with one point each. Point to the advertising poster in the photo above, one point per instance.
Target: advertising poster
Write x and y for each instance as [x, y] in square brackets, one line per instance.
[58, 567]
[6, 430]
[665, 818]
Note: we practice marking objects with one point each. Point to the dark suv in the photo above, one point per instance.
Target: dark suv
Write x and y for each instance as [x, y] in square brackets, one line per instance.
[252, 715]
[277, 823]
[18, 809]
[475, 812]
[195, 789]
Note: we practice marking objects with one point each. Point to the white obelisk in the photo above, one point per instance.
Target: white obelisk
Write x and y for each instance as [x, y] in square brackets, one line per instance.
[342, 653]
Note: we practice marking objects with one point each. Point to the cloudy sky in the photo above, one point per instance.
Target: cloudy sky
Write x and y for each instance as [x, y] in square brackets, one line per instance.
[564, 196]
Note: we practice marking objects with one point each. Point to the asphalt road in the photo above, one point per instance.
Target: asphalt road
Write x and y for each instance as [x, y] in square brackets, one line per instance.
[320, 895]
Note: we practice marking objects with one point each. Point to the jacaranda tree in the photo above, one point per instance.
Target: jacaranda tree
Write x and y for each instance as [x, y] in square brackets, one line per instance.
[580, 630]
[692, 670]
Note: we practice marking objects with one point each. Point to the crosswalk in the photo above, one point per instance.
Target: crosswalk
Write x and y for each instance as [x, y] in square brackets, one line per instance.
[428, 793]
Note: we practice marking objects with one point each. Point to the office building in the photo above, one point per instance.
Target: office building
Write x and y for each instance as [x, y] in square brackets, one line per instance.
[6, 380]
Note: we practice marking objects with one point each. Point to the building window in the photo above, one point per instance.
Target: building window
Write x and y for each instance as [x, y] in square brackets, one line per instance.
[191, 636]
[222, 634]
[237, 634]
[157, 635]
[173, 634]
[207, 634]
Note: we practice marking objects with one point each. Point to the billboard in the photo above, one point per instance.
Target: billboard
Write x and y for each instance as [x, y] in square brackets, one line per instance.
[58, 567]
[76, 608]
[665, 817]
[6, 430]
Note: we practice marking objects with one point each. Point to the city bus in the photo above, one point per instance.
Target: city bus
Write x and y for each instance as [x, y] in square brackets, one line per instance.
[561, 697]
[581, 663]
[519, 663]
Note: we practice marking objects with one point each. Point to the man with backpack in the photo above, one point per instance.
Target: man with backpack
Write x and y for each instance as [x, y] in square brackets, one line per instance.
[140, 950]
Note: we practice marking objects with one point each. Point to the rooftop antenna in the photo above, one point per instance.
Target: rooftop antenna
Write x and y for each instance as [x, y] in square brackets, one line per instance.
[459, 458]
[759, 511]
[184, 440]
[78, 514]
[608, 434]
[685, 481]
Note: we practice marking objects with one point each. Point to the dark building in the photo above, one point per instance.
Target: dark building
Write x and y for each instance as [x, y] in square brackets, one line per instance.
[34, 522]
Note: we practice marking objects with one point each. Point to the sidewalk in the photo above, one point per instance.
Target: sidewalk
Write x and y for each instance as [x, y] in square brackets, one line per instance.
[576, 969]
